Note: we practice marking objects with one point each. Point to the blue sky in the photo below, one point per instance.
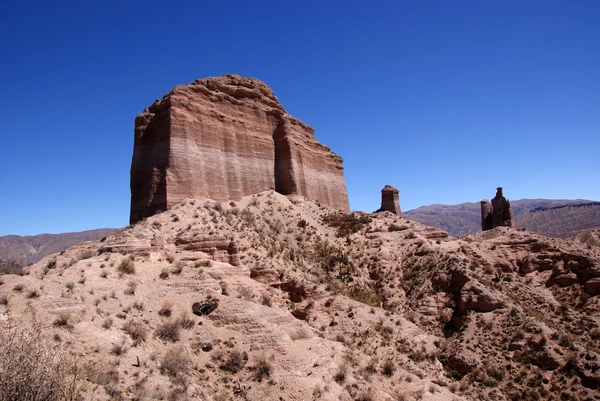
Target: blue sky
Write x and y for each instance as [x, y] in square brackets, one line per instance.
[444, 100]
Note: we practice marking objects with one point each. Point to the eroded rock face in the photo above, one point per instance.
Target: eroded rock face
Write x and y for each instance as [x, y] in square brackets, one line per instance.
[390, 200]
[225, 138]
[486, 215]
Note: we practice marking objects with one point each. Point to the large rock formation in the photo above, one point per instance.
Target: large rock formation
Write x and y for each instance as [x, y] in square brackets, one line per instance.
[224, 138]
[498, 214]
[390, 201]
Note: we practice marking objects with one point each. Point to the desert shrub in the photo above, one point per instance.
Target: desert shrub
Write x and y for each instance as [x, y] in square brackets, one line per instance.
[364, 294]
[32, 294]
[234, 362]
[184, 321]
[63, 320]
[126, 266]
[107, 324]
[168, 331]
[346, 223]
[33, 369]
[3, 300]
[130, 290]
[136, 330]
[388, 368]
[18, 287]
[262, 368]
[178, 268]
[88, 253]
[164, 274]
[175, 361]
[266, 300]
[118, 348]
[296, 290]
[166, 308]
[340, 376]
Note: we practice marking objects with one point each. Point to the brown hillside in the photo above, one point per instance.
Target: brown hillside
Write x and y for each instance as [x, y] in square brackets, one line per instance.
[465, 218]
[17, 251]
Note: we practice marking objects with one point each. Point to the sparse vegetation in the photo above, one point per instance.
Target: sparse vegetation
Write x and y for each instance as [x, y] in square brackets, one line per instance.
[169, 331]
[175, 362]
[262, 368]
[235, 361]
[346, 223]
[166, 308]
[63, 320]
[136, 330]
[33, 369]
[126, 266]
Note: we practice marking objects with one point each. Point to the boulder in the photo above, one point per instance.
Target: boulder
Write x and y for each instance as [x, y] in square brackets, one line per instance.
[205, 307]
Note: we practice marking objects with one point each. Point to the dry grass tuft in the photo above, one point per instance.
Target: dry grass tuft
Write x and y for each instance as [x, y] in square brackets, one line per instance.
[169, 331]
[136, 330]
[33, 369]
[175, 362]
[126, 266]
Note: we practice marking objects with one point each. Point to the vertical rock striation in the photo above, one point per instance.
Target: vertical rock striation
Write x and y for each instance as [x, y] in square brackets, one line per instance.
[498, 214]
[225, 138]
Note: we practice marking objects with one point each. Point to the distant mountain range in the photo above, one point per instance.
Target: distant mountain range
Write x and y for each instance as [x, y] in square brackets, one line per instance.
[17, 251]
[560, 218]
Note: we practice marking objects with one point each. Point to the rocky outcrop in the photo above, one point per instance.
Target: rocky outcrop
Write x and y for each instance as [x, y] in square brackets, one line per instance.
[486, 215]
[390, 201]
[224, 138]
[498, 214]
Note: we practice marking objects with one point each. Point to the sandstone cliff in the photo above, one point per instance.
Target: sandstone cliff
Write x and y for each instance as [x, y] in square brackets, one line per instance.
[224, 138]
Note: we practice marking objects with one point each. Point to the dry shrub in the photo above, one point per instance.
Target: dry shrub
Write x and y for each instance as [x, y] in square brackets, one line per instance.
[234, 362]
[262, 368]
[388, 368]
[168, 331]
[175, 361]
[33, 369]
[63, 320]
[184, 321]
[126, 266]
[3, 300]
[346, 223]
[296, 290]
[130, 290]
[136, 330]
[166, 308]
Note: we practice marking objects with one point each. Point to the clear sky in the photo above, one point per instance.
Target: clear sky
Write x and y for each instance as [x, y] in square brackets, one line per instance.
[445, 100]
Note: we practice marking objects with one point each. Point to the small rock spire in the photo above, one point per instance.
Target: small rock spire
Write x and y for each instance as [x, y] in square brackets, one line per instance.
[498, 214]
[390, 200]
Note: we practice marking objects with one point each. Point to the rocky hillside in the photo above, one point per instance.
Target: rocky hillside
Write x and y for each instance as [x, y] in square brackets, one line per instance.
[281, 298]
[17, 251]
[551, 217]
[562, 221]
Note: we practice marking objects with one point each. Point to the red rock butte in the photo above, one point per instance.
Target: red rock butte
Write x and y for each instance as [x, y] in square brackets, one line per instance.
[224, 138]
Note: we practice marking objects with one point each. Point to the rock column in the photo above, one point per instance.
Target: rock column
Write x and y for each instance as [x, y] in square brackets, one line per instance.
[390, 201]
[486, 215]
